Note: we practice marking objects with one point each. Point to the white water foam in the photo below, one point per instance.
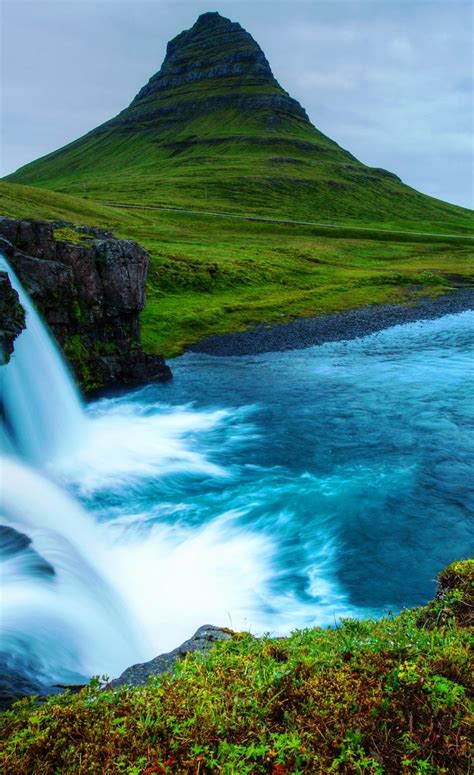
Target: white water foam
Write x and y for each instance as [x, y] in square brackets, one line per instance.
[175, 572]
[127, 442]
[94, 592]
[71, 620]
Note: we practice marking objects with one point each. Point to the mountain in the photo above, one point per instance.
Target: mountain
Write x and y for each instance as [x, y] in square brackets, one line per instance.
[213, 129]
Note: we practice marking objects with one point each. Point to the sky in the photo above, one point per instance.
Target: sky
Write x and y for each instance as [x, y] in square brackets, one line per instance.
[389, 80]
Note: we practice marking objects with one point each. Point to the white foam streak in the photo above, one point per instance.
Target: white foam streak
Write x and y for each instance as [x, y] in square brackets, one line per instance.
[73, 610]
[176, 579]
[132, 442]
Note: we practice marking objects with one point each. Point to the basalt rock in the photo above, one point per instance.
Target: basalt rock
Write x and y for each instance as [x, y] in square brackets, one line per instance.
[12, 317]
[90, 293]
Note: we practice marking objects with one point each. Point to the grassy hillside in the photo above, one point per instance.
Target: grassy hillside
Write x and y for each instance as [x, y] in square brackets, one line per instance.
[214, 130]
[201, 166]
[392, 696]
[217, 275]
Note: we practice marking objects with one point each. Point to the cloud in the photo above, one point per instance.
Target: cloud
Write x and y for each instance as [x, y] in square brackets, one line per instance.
[402, 51]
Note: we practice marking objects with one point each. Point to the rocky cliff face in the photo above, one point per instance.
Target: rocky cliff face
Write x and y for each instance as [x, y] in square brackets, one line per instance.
[225, 68]
[12, 317]
[89, 288]
[225, 49]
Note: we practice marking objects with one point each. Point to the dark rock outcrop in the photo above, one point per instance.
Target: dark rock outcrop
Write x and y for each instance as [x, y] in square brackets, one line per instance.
[14, 684]
[12, 317]
[90, 292]
[203, 640]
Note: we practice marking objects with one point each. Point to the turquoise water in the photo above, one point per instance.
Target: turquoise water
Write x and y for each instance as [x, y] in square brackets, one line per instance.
[350, 463]
[268, 492]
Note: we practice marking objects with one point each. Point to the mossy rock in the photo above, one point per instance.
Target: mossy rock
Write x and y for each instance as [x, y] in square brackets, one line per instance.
[454, 601]
[80, 358]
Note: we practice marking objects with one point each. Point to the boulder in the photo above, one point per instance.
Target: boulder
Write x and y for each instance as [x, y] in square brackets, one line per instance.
[204, 639]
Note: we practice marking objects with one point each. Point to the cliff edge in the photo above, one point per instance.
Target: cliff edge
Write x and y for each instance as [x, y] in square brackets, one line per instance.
[90, 289]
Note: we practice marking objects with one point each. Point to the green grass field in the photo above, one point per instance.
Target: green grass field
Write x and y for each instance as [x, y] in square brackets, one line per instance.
[217, 275]
[232, 163]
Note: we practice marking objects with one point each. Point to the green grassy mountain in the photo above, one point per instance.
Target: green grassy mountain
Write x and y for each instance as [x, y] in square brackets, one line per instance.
[213, 130]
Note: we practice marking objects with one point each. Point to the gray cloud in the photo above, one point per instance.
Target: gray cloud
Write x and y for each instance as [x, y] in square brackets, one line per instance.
[390, 80]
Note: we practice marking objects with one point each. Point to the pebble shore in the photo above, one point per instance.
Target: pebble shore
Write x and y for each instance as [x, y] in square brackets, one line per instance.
[333, 327]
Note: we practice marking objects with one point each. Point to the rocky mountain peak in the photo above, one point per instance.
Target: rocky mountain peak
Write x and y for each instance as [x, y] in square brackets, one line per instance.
[214, 48]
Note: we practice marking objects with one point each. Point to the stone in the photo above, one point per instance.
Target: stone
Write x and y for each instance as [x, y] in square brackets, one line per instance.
[82, 262]
[123, 266]
[202, 641]
[44, 279]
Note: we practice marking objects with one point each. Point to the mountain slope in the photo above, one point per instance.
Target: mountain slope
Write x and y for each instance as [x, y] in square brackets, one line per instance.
[214, 129]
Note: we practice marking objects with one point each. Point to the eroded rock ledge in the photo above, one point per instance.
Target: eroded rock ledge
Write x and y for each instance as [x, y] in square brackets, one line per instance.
[214, 65]
[12, 317]
[90, 289]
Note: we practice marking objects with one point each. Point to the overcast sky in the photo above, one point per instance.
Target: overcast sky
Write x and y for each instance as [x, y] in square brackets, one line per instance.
[390, 80]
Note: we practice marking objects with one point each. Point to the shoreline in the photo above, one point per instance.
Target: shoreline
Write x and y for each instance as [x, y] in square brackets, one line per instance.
[332, 327]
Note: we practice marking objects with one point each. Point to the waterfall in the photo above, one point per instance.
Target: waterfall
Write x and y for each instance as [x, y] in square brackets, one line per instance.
[126, 524]
[59, 614]
[39, 398]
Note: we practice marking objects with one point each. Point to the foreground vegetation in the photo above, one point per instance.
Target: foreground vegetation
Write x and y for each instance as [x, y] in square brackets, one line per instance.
[218, 275]
[387, 696]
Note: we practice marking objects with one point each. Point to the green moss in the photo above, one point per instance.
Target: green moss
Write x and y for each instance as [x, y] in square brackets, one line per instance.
[459, 576]
[68, 234]
[454, 597]
[77, 312]
[106, 348]
[384, 696]
[79, 357]
[75, 349]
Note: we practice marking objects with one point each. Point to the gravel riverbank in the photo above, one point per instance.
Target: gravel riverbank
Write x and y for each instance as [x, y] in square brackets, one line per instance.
[333, 327]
